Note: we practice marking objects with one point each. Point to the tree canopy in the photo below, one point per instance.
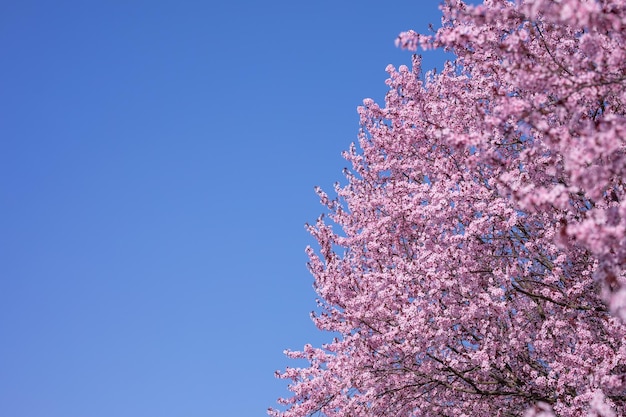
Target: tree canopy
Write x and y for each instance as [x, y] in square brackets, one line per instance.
[474, 263]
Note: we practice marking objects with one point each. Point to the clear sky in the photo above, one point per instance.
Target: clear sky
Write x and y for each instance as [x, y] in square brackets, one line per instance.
[157, 165]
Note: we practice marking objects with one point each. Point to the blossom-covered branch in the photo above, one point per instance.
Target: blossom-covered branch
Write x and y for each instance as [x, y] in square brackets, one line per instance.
[474, 264]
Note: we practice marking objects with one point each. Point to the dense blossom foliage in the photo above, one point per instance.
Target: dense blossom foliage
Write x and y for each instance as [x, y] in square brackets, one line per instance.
[474, 264]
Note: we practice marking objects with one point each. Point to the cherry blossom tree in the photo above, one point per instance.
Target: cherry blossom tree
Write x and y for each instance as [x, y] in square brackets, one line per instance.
[475, 262]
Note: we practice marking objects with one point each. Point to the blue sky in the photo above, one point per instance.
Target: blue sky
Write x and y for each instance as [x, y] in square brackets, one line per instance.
[157, 165]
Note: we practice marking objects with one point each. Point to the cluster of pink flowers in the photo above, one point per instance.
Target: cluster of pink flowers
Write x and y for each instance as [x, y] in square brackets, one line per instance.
[475, 262]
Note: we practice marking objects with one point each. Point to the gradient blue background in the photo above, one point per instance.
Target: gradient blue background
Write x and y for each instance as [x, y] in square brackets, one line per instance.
[157, 164]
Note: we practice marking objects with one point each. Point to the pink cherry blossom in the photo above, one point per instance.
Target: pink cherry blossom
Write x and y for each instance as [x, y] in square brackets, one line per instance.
[475, 262]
